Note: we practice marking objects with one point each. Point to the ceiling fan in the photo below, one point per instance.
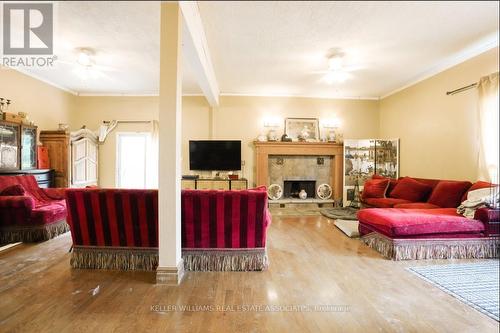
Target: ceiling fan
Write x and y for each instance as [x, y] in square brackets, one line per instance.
[338, 71]
[84, 63]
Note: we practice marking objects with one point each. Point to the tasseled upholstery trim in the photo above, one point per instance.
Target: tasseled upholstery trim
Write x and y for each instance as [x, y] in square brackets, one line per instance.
[225, 260]
[123, 259]
[126, 259]
[416, 249]
[28, 234]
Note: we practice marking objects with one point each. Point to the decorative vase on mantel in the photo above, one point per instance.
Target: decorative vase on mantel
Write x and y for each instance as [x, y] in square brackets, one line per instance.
[303, 194]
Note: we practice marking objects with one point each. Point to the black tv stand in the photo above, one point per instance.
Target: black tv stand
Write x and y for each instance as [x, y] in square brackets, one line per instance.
[191, 177]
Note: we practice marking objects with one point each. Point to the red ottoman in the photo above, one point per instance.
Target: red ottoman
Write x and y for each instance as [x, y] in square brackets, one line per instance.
[425, 234]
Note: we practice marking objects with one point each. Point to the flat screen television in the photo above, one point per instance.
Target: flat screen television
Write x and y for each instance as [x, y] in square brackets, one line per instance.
[224, 155]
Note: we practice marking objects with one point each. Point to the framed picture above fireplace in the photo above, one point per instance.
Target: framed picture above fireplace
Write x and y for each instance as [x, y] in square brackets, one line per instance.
[302, 129]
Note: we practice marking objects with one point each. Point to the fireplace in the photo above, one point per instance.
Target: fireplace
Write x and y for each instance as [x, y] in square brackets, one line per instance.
[279, 161]
[292, 188]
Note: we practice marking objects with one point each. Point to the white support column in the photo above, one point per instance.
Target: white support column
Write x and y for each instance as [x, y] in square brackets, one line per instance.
[170, 269]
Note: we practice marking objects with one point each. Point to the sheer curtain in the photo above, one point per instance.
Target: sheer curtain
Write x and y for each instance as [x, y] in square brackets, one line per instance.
[488, 128]
[152, 157]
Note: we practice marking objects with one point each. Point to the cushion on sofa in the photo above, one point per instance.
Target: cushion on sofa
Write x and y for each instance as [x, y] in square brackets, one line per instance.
[384, 202]
[416, 205]
[427, 181]
[411, 190]
[375, 188]
[392, 183]
[448, 194]
[410, 222]
[49, 213]
[477, 186]
[16, 189]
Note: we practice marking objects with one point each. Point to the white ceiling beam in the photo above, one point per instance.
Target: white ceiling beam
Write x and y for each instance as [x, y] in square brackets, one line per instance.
[196, 51]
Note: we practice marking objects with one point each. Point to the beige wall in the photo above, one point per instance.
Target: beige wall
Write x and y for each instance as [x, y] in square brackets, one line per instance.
[238, 118]
[46, 105]
[92, 110]
[242, 118]
[438, 132]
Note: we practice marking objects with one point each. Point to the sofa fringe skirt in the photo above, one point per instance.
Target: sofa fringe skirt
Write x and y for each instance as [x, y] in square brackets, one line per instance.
[130, 259]
[32, 233]
[416, 249]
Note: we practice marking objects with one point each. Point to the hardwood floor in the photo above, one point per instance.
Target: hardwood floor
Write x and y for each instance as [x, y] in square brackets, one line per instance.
[312, 263]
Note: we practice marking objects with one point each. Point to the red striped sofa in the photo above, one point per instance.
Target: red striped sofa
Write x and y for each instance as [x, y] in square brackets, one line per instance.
[113, 228]
[29, 213]
[118, 229]
[225, 230]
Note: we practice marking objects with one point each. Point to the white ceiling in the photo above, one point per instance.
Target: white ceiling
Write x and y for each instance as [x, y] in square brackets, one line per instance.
[276, 48]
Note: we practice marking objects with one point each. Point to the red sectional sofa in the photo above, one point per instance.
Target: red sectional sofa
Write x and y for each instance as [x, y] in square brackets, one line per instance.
[417, 219]
[118, 229]
[29, 213]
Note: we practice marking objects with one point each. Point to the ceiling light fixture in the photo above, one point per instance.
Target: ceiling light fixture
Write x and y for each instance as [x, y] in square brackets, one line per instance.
[335, 62]
[336, 72]
[85, 57]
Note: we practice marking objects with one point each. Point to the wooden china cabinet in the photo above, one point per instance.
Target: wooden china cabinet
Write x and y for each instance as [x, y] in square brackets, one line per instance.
[18, 153]
[17, 146]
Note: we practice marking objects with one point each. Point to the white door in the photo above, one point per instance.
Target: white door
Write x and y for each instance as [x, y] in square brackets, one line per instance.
[131, 161]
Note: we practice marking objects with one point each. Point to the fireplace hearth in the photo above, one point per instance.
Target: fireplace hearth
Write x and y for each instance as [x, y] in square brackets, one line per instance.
[292, 188]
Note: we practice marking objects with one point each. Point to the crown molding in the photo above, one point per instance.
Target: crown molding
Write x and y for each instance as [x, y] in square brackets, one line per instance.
[485, 44]
[371, 98]
[96, 94]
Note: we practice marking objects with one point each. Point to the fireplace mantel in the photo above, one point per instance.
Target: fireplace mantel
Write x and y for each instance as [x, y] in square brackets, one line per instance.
[264, 149]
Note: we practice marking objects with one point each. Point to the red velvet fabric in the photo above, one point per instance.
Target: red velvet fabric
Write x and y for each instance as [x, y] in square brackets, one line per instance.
[411, 190]
[427, 181]
[384, 202]
[477, 186]
[49, 213]
[448, 194]
[12, 190]
[416, 205]
[33, 208]
[410, 222]
[366, 229]
[113, 217]
[490, 219]
[55, 193]
[375, 188]
[129, 218]
[224, 219]
[392, 183]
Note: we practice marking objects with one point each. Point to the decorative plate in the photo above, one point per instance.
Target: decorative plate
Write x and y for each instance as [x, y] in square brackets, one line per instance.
[324, 191]
[274, 192]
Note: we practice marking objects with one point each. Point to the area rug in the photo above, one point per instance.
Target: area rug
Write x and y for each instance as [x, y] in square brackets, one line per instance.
[342, 213]
[348, 227]
[475, 284]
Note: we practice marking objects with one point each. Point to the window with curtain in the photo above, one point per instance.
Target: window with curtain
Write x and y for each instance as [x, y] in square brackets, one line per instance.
[488, 128]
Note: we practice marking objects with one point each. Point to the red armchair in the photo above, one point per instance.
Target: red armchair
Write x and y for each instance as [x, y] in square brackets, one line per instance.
[32, 214]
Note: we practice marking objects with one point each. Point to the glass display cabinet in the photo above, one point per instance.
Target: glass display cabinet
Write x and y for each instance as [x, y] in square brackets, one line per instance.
[17, 146]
